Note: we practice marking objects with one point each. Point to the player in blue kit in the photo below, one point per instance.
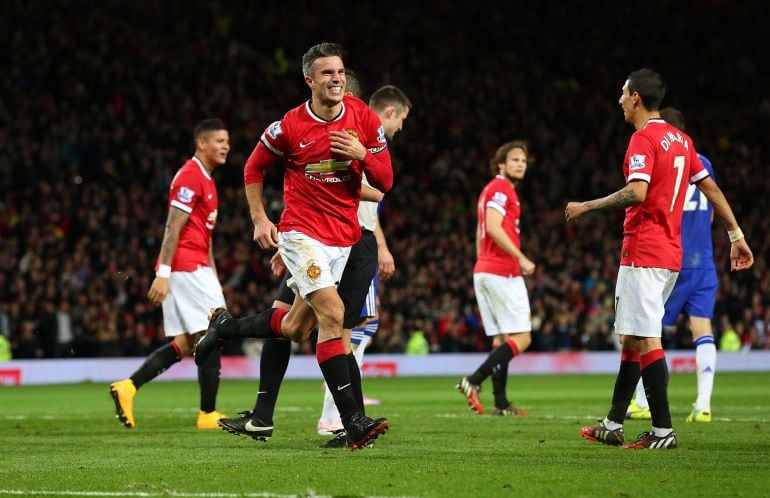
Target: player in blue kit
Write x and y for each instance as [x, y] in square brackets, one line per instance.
[694, 293]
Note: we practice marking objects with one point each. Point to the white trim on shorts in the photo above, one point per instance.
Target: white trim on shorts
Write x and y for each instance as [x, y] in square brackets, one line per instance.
[503, 304]
[191, 295]
[312, 264]
[640, 297]
[370, 303]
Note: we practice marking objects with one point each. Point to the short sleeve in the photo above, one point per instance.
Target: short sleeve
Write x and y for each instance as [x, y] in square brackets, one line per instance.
[640, 158]
[375, 133]
[274, 137]
[697, 170]
[185, 191]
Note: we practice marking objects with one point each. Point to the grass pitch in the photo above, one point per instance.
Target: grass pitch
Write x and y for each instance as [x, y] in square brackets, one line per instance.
[65, 441]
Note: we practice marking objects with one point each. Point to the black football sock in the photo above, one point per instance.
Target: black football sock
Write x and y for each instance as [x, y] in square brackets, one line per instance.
[501, 355]
[355, 381]
[625, 385]
[155, 364]
[334, 365]
[272, 368]
[655, 377]
[499, 382]
[261, 326]
[208, 380]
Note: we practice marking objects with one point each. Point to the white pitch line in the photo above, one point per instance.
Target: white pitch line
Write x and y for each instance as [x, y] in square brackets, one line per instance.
[594, 417]
[161, 494]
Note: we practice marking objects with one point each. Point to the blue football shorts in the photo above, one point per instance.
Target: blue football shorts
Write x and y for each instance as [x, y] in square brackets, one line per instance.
[694, 295]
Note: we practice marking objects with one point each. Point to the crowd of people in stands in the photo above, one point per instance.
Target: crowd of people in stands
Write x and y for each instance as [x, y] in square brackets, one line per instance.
[97, 106]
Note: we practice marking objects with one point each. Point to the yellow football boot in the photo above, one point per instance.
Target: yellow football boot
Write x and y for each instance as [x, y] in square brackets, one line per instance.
[123, 392]
[209, 420]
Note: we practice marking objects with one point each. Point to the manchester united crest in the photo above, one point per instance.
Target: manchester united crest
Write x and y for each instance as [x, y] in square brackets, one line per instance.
[353, 133]
[313, 271]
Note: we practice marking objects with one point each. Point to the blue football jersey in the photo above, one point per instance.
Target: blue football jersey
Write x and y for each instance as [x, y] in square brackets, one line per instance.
[697, 249]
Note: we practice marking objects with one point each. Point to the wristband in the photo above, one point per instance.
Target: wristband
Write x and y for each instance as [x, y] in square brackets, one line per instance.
[164, 271]
[735, 235]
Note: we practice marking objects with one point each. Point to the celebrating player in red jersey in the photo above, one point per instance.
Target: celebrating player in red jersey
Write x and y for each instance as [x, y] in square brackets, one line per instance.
[659, 162]
[497, 278]
[326, 144]
[186, 282]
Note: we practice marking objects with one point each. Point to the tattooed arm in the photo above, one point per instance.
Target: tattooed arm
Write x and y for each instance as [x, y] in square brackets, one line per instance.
[176, 220]
[633, 193]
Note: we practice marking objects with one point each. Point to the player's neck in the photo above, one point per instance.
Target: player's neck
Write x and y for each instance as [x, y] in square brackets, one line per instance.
[325, 111]
[207, 165]
[642, 116]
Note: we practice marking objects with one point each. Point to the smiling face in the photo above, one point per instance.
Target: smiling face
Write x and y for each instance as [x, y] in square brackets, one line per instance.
[327, 81]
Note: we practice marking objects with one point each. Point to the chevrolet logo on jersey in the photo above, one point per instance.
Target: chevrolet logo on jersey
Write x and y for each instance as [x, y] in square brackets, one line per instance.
[327, 167]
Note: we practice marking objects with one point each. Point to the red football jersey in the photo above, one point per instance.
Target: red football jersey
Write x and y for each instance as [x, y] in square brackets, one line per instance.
[321, 193]
[499, 195]
[194, 192]
[665, 158]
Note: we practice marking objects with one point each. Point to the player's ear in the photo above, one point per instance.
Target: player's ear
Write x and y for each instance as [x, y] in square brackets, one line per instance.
[309, 81]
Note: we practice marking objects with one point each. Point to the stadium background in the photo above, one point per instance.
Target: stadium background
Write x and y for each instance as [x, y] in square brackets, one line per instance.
[97, 102]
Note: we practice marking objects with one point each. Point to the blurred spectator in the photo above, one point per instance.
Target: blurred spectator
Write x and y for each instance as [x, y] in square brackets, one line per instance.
[97, 100]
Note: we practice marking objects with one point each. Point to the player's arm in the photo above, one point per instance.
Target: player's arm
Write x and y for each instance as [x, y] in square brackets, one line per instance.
[494, 222]
[741, 257]
[211, 258]
[632, 194]
[174, 223]
[265, 232]
[385, 261]
[379, 169]
[371, 194]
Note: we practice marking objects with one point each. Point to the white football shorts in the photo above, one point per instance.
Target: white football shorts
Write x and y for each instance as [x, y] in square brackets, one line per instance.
[312, 264]
[640, 298]
[503, 303]
[191, 295]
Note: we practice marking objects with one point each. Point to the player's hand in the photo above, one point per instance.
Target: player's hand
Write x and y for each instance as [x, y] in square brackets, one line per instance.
[277, 265]
[265, 234]
[574, 210]
[741, 257]
[346, 146]
[527, 266]
[158, 290]
[386, 263]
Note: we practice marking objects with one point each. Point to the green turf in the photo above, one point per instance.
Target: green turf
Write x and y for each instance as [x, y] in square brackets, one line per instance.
[66, 439]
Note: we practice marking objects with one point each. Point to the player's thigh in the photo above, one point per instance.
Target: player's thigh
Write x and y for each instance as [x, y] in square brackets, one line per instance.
[640, 294]
[299, 321]
[357, 278]
[503, 303]
[190, 299]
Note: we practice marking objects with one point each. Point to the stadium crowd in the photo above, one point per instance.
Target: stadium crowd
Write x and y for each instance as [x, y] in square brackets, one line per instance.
[98, 100]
